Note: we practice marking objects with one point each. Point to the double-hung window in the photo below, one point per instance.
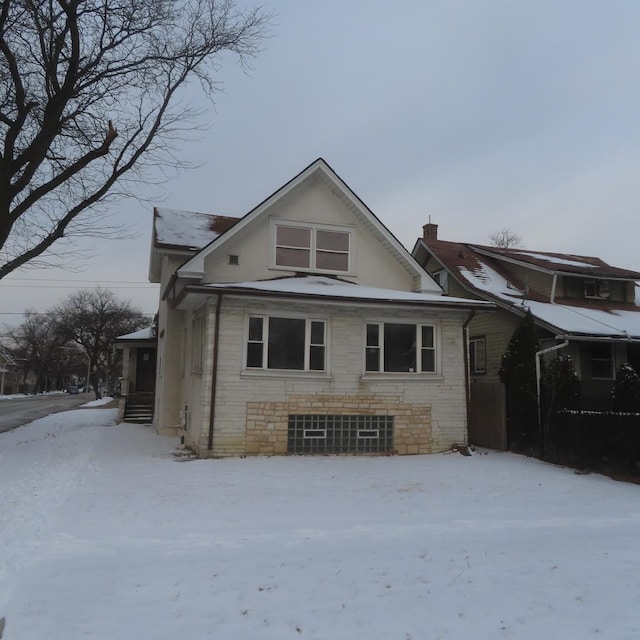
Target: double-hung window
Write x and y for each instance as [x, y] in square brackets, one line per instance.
[311, 248]
[477, 355]
[286, 343]
[396, 347]
[602, 362]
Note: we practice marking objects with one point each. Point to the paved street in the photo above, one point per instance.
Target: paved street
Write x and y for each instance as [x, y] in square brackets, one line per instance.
[19, 411]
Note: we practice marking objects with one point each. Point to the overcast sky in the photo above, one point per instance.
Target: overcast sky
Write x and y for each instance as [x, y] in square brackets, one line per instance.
[482, 114]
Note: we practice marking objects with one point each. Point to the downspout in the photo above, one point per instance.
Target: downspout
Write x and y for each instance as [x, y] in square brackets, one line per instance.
[539, 354]
[214, 371]
[467, 377]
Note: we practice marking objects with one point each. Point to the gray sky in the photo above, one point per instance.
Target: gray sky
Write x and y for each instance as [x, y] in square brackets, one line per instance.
[482, 114]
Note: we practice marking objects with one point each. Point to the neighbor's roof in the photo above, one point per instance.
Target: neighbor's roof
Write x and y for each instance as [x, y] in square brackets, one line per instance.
[335, 289]
[492, 281]
[558, 262]
[187, 230]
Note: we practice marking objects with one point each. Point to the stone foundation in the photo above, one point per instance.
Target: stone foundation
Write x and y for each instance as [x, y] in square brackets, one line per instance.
[267, 422]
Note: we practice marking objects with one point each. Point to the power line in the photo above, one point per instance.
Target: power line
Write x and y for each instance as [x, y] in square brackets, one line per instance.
[44, 313]
[68, 286]
[76, 280]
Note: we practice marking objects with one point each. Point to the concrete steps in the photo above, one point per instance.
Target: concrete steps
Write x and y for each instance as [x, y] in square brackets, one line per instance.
[139, 408]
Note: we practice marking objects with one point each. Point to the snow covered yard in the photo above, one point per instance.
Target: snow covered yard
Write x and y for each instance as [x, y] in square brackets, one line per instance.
[104, 534]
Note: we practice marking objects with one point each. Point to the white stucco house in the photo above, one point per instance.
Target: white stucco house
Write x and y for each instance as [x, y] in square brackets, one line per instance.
[304, 327]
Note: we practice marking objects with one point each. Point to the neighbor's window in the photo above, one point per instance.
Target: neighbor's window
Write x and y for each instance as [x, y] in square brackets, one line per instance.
[286, 343]
[312, 249]
[477, 355]
[396, 347]
[601, 358]
[441, 277]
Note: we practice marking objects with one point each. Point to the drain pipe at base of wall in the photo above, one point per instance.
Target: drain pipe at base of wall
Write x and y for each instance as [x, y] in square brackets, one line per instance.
[214, 372]
[539, 354]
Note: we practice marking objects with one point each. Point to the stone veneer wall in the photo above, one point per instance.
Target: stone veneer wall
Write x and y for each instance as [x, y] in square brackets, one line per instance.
[267, 422]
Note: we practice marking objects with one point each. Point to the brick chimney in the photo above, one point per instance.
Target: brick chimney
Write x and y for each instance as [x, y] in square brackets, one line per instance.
[430, 231]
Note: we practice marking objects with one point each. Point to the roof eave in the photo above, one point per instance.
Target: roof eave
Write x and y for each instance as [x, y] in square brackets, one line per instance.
[443, 303]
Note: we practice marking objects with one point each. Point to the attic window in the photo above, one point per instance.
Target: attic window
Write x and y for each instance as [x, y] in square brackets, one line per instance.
[597, 289]
[312, 248]
[441, 277]
[234, 259]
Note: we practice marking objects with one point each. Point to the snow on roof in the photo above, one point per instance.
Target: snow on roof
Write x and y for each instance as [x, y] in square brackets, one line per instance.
[588, 321]
[188, 229]
[621, 323]
[334, 288]
[560, 262]
[147, 333]
[557, 260]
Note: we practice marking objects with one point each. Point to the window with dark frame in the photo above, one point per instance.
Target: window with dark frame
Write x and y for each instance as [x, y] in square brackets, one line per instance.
[478, 355]
[313, 249]
[394, 347]
[282, 343]
[442, 278]
[601, 359]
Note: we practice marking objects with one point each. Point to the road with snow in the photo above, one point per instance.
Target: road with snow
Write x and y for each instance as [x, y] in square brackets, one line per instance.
[14, 412]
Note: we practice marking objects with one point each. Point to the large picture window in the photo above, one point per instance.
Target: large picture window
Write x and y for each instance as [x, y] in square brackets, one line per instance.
[286, 343]
[311, 248]
[395, 347]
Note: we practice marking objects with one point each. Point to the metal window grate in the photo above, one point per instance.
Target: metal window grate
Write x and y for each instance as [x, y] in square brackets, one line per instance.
[325, 434]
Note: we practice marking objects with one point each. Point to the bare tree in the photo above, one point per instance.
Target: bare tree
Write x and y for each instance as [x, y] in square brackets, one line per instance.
[92, 320]
[90, 96]
[36, 346]
[506, 239]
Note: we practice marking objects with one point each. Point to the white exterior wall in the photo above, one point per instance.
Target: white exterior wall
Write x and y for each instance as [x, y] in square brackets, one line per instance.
[310, 203]
[443, 392]
[167, 418]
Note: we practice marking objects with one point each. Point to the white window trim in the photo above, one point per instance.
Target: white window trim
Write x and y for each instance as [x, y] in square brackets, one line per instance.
[350, 231]
[394, 375]
[264, 370]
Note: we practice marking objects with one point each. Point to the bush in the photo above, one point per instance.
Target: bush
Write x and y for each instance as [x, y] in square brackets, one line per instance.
[626, 390]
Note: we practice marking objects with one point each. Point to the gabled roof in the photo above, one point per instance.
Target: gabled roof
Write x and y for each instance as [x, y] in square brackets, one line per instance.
[187, 230]
[182, 233]
[484, 272]
[320, 170]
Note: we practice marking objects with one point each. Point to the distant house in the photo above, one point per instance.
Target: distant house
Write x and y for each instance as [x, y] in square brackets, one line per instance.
[303, 327]
[9, 374]
[577, 300]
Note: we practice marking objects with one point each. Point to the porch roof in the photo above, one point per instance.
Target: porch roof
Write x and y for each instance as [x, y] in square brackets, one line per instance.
[334, 289]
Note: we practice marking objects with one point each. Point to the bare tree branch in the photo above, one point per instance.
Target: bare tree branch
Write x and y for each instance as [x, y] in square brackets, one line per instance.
[506, 239]
[89, 92]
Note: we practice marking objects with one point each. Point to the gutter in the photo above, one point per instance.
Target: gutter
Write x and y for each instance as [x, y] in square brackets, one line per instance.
[214, 372]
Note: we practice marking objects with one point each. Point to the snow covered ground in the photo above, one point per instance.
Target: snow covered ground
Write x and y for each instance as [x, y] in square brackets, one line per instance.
[105, 534]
